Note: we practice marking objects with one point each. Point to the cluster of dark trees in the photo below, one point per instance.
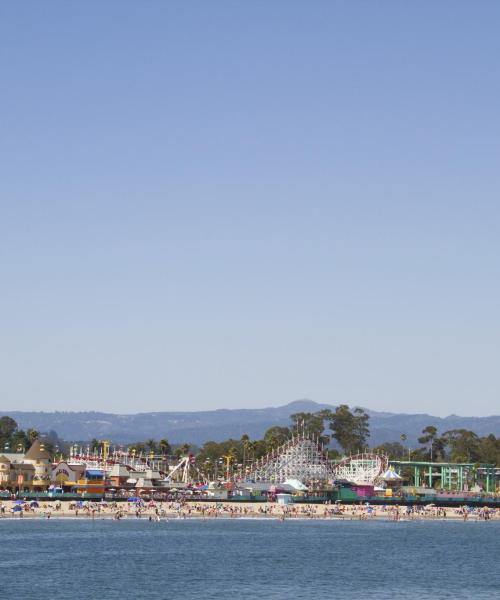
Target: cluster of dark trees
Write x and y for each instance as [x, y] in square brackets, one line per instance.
[346, 431]
[347, 428]
[455, 445]
[13, 439]
[148, 447]
[342, 431]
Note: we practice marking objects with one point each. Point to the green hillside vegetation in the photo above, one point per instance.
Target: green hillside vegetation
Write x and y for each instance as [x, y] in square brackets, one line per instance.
[343, 431]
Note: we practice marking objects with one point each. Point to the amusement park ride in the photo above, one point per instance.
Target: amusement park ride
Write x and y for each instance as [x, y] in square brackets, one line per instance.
[361, 469]
[301, 458]
[185, 471]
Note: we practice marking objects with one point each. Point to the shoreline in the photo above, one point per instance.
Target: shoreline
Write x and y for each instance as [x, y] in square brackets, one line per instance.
[178, 511]
[173, 518]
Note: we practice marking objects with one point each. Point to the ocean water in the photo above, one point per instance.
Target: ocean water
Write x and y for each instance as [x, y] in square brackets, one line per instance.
[219, 559]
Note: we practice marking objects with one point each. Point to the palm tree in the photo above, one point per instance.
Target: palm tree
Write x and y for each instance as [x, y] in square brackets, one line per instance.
[252, 447]
[403, 437]
[164, 446]
[206, 467]
[181, 450]
[140, 448]
[430, 437]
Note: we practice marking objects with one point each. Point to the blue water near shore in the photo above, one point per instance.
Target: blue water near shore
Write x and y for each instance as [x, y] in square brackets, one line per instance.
[219, 559]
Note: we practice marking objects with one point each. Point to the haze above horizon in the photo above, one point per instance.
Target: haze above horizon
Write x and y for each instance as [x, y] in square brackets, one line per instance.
[229, 205]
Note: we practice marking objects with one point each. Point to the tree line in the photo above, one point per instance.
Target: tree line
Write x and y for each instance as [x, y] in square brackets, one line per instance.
[13, 439]
[343, 431]
[454, 445]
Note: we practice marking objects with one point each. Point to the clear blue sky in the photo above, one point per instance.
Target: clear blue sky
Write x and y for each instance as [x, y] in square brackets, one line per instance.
[239, 204]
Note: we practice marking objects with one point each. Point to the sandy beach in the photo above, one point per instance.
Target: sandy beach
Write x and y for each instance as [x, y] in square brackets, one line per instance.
[188, 510]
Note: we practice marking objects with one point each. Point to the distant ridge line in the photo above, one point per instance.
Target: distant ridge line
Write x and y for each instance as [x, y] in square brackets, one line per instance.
[197, 427]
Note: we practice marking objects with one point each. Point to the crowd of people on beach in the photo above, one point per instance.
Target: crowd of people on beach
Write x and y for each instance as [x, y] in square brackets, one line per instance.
[181, 509]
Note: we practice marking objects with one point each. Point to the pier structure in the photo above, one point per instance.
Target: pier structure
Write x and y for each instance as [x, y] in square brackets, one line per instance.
[449, 476]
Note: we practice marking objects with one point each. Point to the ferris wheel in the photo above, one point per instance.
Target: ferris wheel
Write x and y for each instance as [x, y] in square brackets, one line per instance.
[361, 469]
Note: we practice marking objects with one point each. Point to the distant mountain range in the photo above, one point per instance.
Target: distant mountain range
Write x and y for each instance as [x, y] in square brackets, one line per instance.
[199, 427]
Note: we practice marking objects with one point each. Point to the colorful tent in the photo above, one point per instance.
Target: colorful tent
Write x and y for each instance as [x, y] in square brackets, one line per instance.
[391, 476]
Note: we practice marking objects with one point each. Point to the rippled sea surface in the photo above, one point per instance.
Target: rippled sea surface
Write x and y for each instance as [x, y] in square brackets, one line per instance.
[222, 559]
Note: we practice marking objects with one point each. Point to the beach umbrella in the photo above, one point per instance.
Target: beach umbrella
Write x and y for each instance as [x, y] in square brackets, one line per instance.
[17, 508]
[34, 504]
[19, 502]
